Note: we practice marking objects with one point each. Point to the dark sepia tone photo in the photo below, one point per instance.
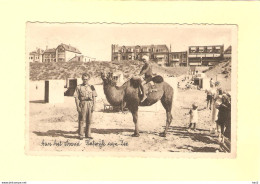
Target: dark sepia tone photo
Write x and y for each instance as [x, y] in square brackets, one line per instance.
[131, 89]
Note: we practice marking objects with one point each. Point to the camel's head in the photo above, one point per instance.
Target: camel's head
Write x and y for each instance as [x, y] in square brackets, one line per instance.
[108, 79]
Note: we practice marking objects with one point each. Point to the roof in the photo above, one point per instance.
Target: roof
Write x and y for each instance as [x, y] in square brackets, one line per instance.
[179, 52]
[50, 50]
[208, 46]
[70, 48]
[33, 52]
[37, 51]
[81, 56]
[164, 47]
[161, 47]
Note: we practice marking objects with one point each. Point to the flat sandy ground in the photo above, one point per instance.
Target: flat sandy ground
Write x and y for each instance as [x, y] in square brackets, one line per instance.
[53, 127]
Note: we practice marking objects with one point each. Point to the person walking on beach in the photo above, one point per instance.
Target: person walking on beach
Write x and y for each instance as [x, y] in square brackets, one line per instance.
[210, 96]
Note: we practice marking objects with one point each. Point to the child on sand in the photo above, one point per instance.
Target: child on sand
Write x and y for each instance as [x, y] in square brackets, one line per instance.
[193, 116]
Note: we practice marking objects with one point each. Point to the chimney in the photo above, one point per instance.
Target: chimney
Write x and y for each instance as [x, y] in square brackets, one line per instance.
[46, 47]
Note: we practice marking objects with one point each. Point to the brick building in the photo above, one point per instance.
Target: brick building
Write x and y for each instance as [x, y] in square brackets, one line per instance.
[178, 58]
[157, 53]
[49, 55]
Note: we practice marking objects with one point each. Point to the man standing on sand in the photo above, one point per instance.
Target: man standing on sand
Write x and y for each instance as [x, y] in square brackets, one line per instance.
[85, 98]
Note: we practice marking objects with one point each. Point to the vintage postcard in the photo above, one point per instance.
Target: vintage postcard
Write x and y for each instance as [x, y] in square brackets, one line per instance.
[142, 90]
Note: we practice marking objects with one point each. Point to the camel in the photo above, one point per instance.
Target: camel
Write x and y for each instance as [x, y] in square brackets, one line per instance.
[128, 95]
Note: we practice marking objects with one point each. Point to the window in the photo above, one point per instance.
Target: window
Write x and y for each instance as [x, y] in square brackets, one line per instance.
[193, 49]
[201, 49]
[209, 49]
[217, 49]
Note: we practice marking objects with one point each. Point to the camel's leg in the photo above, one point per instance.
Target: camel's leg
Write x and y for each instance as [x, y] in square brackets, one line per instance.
[135, 119]
[122, 106]
[168, 123]
[167, 104]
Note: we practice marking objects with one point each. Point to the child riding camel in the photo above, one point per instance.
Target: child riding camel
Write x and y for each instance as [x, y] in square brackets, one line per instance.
[147, 72]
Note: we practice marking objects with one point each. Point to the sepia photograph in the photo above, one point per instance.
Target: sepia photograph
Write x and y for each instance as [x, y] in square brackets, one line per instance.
[131, 89]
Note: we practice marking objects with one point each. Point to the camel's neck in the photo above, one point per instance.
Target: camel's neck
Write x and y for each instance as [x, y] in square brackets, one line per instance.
[114, 94]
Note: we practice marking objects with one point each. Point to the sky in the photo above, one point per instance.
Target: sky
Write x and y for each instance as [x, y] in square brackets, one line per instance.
[95, 40]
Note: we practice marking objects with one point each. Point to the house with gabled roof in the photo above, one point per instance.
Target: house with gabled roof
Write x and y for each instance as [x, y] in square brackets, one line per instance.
[65, 53]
